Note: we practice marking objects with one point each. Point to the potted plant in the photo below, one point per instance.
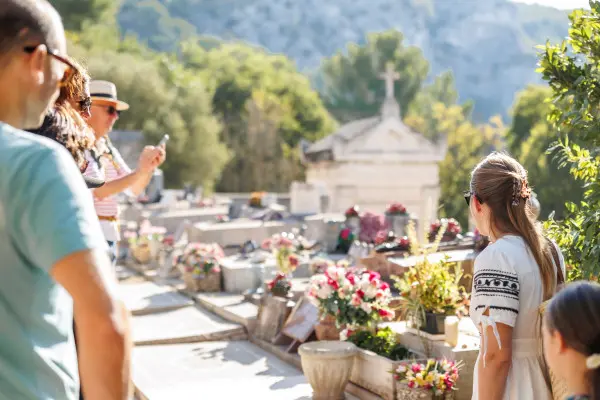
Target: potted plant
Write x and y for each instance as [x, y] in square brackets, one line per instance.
[397, 218]
[378, 354]
[345, 240]
[432, 380]
[280, 286]
[348, 298]
[352, 215]
[431, 289]
[199, 265]
[452, 232]
[370, 225]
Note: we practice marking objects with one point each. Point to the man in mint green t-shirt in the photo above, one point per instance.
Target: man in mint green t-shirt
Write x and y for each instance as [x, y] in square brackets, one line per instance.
[53, 256]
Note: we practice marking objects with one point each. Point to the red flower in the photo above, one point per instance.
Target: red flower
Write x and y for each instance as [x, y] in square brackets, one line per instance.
[386, 313]
[384, 286]
[333, 283]
[416, 368]
[360, 293]
[411, 384]
[373, 275]
[351, 278]
[345, 233]
[293, 259]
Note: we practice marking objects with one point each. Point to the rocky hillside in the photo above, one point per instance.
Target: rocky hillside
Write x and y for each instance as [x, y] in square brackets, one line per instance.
[489, 45]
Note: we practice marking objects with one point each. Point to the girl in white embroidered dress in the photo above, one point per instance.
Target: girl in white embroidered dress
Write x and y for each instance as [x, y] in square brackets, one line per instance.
[512, 277]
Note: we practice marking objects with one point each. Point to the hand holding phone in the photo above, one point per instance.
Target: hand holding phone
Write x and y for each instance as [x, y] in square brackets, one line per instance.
[163, 141]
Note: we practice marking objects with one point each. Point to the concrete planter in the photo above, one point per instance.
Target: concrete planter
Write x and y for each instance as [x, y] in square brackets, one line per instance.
[372, 372]
[210, 283]
[327, 366]
[406, 393]
[326, 329]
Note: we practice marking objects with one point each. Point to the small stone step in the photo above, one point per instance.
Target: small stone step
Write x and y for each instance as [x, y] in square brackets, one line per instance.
[185, 325]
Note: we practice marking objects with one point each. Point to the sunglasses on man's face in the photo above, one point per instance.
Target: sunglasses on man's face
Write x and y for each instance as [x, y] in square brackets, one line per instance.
[69, 70]
[468, 194]
[110, 110]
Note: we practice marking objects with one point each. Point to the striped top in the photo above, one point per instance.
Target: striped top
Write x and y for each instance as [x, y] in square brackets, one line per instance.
[114, 168]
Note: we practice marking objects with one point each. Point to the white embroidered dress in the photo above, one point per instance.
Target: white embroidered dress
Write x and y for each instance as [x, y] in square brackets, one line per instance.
[507, 282]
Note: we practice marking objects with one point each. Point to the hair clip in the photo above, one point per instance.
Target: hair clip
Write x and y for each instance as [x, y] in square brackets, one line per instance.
[593, 361]
[525, 190]
[515, 199]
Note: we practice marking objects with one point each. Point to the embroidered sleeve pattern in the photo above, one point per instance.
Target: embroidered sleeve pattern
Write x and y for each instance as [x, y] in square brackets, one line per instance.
[496, 290]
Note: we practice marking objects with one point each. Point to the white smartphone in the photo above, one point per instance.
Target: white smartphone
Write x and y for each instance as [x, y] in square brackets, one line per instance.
[164, 140]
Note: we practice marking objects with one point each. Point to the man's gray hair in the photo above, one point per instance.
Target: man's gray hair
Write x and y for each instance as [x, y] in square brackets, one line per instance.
[26, 20]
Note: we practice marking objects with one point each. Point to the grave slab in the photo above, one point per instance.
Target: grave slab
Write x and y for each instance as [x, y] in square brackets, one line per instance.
[231, 307]
[185, 325]
[223, 370]
[148, 297]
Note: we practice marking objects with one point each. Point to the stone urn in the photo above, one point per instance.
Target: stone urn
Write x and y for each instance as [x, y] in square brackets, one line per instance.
[327, 365]
[398, 223]
[326, 329]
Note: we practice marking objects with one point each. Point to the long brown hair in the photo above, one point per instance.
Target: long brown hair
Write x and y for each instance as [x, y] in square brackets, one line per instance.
[501, 182]
[65, 124]
[575, 313]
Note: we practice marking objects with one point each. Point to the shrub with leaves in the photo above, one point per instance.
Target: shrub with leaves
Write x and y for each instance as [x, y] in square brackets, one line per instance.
[572, 71]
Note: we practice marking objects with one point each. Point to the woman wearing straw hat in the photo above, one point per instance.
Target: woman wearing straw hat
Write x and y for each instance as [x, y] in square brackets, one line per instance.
[119, 178]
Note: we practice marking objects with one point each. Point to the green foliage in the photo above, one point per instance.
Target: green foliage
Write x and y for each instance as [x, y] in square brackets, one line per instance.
[528, 138]
[571, 70]
[352, 87]
[76, 13]
[467, 144]
[383, 343]
[266, 107]
[164, 98]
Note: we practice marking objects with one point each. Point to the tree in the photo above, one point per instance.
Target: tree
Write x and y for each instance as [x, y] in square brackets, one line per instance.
[238, 75]
[467, 145]
[351, 85]
[571, 69]
[529, 137]
[165, 98]
[75, 13]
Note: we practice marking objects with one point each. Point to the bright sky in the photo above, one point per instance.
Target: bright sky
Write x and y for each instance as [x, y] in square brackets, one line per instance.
[565, 4]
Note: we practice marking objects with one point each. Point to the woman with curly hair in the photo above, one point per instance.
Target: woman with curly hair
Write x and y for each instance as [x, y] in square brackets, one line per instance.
[66, 124]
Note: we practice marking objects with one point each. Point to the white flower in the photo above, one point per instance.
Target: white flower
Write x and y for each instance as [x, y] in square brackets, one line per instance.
[344, 335]
[401, 369]
[324, 292]
[366, 307]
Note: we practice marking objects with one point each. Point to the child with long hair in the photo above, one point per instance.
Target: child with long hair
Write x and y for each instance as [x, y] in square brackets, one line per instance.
[572, 339]
[512, 277]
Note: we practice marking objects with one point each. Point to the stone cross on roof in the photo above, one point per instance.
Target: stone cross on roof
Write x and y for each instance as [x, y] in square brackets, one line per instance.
[389, 77]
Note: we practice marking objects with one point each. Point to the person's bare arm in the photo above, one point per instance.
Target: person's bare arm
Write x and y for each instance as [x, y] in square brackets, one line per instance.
[102, 324]
[140, 185]
[493, 373]
[120, 185]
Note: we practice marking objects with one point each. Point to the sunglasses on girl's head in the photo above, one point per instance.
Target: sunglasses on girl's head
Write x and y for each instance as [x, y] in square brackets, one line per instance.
[468, 194]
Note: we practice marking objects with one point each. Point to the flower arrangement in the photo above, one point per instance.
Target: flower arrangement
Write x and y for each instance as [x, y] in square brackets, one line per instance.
[370, 225]
[437, 376]
[383, 236]
[396, 209]
[283, 249]
[345, 240]
[353, 211]
[279, 286]
[453, 229]
[256, 199]
[352, 298]
[200, 260]
[431, 286]
[319, 265]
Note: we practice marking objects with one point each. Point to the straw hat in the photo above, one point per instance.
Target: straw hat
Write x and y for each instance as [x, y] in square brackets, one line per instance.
[106, 93]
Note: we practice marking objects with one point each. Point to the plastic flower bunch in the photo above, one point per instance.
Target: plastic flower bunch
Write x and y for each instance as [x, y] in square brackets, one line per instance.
[354, 299]
[283, 250]
[438, 376]
[280, 285]
[201, 259]
[370, 225]
[396, 209]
